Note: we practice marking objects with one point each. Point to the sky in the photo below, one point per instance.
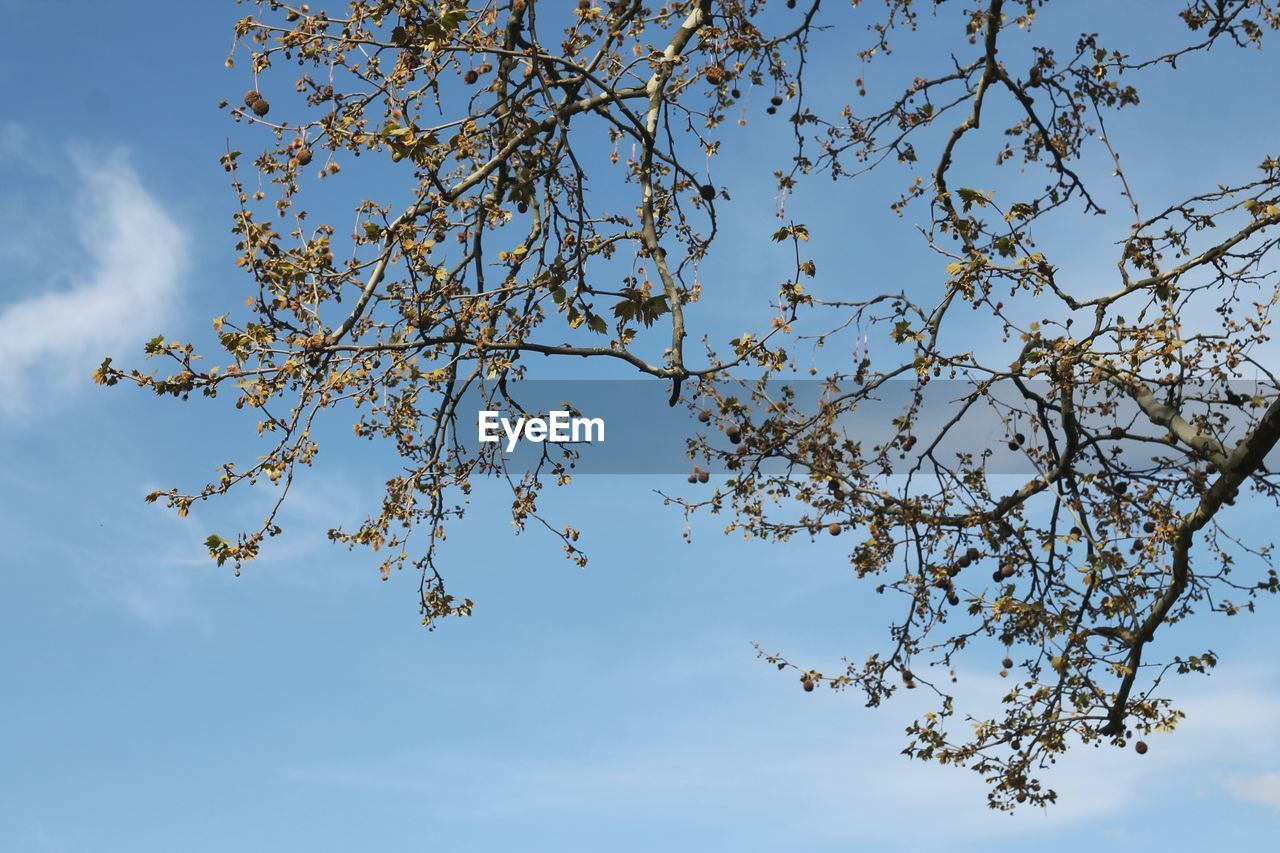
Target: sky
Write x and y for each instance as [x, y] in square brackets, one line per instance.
[154, 702]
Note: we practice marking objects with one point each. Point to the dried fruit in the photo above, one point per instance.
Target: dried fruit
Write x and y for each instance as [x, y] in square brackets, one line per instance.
[251, 96]
[833, 528]
[260, 107]
[707, 191]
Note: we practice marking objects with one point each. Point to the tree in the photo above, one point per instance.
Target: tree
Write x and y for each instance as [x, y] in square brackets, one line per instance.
[498, 113]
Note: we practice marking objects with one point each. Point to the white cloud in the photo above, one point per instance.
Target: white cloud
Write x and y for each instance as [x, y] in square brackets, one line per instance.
[160, 574]
[134, 254]
[792, 767]
[1263, 788]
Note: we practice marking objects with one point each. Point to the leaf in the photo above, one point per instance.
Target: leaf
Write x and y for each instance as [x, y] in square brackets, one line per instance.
[798, 232]
[625, 310]
[971, 197]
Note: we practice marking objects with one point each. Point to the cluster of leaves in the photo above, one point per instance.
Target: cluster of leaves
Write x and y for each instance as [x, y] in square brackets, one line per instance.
[497, 114]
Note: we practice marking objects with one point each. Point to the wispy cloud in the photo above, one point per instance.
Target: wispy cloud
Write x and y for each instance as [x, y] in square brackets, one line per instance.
[160, 574]
[134, 253]
[819, 770]
[1262, 788]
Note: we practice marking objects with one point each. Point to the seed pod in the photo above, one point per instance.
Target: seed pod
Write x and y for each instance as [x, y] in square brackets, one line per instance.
[471, 76]
[260, 107]
[251, 96]
[833, 528]
[304, 156]
[707, 191]
[715, 74]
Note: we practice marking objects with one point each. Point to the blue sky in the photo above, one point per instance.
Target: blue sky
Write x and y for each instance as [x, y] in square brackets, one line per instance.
[154, 702]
